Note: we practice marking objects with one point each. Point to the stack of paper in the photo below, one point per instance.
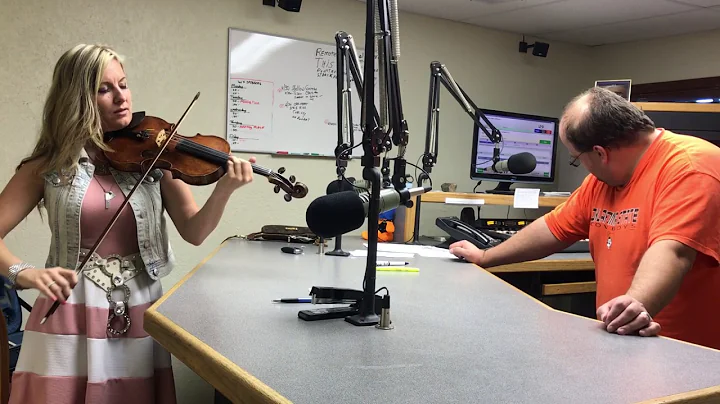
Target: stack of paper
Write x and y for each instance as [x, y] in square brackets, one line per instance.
[421, 250]
[363, 253]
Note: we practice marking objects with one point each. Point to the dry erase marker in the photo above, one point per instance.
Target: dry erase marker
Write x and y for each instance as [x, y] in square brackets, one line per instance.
[391, 263]
[398, 269]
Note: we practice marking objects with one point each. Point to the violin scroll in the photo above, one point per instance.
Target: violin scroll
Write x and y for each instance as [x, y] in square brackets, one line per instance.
[291, 188]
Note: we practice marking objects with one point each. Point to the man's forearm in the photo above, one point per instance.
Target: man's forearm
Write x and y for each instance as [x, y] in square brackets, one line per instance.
[660, 274]
[532, 242]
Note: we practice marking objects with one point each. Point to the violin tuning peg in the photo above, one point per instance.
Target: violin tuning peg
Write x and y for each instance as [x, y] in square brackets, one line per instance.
[281, 170]
[292, 179]
[287, 197]
[277, 189]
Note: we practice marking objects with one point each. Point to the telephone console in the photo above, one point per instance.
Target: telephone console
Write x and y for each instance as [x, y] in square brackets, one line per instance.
[458, 230]
[485, 238]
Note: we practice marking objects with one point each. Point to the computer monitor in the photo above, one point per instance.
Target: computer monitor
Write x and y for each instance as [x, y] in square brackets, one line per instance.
[520, 133]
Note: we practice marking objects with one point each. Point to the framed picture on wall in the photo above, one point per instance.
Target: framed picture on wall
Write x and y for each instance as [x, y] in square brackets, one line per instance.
[619, 87]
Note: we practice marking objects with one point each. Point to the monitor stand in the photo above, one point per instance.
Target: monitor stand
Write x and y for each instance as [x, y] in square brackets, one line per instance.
[503, 188]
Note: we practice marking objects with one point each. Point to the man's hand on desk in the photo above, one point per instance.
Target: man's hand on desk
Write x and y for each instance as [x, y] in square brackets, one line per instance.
[625, 315]
[468, 251]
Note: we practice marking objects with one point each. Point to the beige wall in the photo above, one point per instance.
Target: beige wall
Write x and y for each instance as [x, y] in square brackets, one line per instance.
[665, 59]
[176, 48]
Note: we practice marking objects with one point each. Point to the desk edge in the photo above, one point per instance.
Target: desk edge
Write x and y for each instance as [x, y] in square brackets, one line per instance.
[546, 265]
[231, 380]
[707, 395]
[241, 387]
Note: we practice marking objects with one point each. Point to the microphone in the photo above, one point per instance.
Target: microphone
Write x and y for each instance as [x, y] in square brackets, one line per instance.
[521, 163]
[338, 213]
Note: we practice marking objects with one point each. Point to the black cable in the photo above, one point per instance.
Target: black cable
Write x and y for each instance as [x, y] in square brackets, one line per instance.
[425, 172]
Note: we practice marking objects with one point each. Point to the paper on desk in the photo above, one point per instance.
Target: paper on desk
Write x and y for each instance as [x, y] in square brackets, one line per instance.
[434, 252]
[464, 201]
[363, 253]
[421, 250]
[526, 198]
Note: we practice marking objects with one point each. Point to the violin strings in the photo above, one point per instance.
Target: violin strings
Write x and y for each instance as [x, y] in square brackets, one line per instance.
[216, 153]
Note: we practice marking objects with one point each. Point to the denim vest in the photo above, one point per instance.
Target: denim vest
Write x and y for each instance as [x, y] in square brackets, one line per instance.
[63, 201]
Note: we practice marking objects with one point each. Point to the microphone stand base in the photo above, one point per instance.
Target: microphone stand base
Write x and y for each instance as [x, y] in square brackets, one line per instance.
[361, 320]
[338, 251]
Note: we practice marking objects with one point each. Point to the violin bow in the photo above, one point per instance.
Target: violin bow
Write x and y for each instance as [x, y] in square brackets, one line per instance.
[78, 271]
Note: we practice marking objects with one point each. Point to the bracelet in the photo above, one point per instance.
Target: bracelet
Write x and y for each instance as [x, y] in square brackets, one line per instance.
[14, 270]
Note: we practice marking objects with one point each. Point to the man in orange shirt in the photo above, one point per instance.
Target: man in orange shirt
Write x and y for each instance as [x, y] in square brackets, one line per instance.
[649, 208]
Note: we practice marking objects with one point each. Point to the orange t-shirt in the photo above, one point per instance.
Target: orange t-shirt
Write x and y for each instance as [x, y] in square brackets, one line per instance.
[674, 194]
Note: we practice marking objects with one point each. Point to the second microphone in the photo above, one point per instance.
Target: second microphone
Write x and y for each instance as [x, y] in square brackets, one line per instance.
[342, 212]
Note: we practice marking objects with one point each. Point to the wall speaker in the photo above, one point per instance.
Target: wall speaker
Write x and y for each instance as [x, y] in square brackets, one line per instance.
[539, 48]
[290, 5]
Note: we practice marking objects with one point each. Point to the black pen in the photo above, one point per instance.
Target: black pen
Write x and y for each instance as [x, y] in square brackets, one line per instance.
[294, 300]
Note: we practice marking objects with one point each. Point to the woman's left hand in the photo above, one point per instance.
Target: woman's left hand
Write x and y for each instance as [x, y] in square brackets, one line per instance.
[239, 172]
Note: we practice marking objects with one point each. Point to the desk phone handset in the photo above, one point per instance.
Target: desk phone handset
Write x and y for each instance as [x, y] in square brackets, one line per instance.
[462, 231]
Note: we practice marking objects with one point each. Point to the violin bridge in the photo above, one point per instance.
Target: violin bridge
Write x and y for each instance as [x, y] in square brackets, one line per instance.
[160, 138]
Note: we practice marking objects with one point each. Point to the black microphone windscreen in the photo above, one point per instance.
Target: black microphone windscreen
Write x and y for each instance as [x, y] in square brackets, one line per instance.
[339, 186]
[522, 163]
[335, 214]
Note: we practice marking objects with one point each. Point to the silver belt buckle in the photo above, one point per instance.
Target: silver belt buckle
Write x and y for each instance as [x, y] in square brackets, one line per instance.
[126, 270]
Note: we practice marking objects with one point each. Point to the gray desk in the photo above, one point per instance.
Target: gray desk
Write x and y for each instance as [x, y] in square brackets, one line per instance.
[461, 335]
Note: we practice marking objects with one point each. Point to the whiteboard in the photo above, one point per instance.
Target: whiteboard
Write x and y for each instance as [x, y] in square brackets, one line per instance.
[282, 95]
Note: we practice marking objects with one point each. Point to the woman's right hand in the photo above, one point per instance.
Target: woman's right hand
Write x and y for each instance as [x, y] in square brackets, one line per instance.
[55, 283]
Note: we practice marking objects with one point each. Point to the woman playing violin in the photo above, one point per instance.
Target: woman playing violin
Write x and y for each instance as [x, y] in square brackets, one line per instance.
[94, 348]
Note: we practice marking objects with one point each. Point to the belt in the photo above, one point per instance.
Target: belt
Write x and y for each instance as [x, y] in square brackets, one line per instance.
[111, 273]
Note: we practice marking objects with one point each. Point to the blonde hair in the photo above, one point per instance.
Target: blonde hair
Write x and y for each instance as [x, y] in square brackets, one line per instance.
[70, 116]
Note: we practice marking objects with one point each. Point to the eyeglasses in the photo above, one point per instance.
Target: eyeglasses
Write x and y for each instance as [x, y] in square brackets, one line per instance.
[575, 162]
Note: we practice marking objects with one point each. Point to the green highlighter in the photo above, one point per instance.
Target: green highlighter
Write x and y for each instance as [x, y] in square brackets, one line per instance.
[398, 269]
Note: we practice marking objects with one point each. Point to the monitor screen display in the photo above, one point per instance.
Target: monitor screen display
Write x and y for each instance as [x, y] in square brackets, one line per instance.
[520, 133]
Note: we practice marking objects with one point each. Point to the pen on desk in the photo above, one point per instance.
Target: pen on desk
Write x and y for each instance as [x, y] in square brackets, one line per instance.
[391, 263]
[398, 269]
[294, 300]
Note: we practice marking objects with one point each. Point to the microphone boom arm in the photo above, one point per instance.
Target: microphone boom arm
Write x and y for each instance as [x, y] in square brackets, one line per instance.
[440, 74]
[348, 69]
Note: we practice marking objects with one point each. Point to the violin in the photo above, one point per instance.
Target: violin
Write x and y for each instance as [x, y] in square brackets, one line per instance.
[197, 160]
[150, 142]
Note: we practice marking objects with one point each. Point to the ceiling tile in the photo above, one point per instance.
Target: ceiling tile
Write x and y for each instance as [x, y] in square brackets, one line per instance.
[576, 14]
[460, 10]
[423, 7]
[701, 3]
[669, 25]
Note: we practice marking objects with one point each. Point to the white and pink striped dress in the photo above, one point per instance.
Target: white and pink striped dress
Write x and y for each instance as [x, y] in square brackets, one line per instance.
[71, 359]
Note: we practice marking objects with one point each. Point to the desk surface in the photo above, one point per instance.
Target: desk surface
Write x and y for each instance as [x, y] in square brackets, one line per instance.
[461, 335]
